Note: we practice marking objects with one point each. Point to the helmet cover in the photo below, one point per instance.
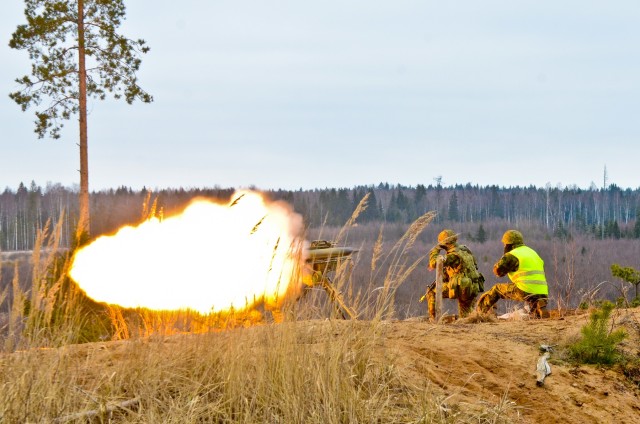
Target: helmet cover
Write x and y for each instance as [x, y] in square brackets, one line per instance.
[447, 237]
[512, 237]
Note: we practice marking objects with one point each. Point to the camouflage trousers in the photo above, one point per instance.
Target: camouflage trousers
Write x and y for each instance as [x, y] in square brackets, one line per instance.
[465, 300]
[537, 302]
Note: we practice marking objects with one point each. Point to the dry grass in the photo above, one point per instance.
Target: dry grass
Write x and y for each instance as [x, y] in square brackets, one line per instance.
[311, 371]
[304, 372]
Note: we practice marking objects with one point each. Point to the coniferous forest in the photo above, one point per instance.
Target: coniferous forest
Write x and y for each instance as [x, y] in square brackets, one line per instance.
[579, 233]
[610, 213]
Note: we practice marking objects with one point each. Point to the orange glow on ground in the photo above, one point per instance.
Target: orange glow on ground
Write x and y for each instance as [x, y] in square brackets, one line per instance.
[209, 258]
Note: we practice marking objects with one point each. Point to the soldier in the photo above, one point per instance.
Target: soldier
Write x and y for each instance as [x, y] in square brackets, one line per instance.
[526, 272]
[462, 280]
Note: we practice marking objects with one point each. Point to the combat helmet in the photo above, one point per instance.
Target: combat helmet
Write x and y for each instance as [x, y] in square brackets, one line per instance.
[513, 237]
[447, 237]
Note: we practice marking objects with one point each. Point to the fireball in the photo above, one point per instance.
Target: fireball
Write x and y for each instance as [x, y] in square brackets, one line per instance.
[210, 258]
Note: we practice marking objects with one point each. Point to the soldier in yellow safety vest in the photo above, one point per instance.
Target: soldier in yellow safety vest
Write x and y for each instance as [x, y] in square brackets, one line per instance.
[526, 272]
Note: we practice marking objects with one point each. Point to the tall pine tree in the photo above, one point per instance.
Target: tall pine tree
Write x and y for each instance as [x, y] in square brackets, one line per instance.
[61, 36]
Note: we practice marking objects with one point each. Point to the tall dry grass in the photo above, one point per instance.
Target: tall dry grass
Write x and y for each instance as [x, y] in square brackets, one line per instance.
[46, 313]
[179, 367]
[330, 371]
[388, 265]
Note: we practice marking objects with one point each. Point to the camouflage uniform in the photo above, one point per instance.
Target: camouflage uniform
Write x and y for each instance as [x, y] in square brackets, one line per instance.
[509, 263]
[462, 280]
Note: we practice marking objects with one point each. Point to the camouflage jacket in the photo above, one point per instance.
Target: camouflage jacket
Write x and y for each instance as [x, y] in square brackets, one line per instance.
[460, 266]
[507, 263]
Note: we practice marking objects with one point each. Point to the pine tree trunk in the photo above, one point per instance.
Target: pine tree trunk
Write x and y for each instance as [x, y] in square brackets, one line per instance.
[82, 232]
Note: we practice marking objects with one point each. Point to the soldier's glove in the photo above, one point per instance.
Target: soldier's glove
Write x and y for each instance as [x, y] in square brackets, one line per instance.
[423, 298]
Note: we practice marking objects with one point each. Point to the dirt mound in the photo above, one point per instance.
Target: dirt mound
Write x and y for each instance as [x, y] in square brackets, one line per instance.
[475, 363]
[466, 368]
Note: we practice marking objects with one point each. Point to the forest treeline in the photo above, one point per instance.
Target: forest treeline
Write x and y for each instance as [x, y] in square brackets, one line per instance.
[610, 212]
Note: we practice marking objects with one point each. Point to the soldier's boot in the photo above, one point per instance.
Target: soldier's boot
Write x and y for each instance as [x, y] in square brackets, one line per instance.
[541, 311]
[432, 312]
[484, 304]
[492, 311]
[538, 308]
[464, 308]
[431, 302]
[542, 307]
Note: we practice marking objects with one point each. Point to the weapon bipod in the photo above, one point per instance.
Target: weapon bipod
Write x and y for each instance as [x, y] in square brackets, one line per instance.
[334, 295]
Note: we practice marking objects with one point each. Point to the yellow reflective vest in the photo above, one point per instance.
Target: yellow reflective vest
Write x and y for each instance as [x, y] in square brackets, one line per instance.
[530, 276]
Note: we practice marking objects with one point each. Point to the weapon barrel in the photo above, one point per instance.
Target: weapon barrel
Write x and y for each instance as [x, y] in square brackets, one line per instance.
[328, 253]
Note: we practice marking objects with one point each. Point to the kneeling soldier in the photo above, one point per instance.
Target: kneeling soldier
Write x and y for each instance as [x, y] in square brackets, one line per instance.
[526, 272]
[462, 279]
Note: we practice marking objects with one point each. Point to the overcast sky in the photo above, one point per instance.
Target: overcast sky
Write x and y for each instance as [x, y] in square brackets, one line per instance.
[298, 94]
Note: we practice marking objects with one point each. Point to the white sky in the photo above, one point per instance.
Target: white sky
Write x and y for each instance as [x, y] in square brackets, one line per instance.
[299, 94]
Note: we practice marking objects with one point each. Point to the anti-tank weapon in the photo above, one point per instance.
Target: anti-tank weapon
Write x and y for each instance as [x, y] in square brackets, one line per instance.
[323, 258]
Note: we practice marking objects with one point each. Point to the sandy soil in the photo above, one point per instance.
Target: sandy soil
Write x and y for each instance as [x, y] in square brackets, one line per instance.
[476, 363]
